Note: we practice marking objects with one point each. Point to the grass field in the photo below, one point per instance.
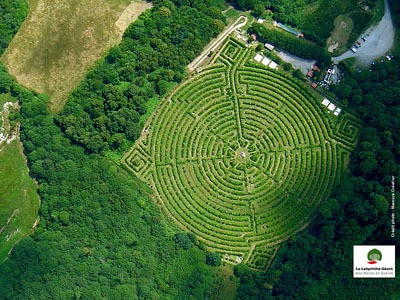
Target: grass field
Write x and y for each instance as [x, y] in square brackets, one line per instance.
[353, 19]
[60, 41]
[19, 201]
[241, 156]
[337, 42]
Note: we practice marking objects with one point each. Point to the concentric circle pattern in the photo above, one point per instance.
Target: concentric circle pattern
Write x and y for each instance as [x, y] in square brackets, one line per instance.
[241, 156]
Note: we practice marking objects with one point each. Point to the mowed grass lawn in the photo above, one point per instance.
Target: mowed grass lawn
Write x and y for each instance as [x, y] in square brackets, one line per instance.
[19, 202]
[60, 40]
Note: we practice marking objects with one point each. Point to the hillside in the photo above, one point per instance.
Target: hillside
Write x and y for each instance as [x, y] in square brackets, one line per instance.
[61, 40]
[240, 158]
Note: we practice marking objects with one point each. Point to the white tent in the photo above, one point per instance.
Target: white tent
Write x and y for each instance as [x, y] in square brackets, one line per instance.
[273, 65]
[331, 107]
[269, 46]
[326, 102]
[337, 111]
[266, 61]
[258, 57]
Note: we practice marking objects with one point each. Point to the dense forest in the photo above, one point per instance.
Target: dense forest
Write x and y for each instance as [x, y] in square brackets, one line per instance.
[395, 8]
[104, 112]
[101, 237]
[314, 18]
[358, 212]
[12, 14]
[290, 43]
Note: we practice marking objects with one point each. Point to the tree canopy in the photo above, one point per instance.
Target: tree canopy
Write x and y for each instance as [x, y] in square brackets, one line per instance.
[100, 235]
[12, 14]
[358, 212]
[104, 112]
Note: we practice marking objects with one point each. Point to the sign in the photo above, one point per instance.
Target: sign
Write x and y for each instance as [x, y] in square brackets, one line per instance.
[373, 261]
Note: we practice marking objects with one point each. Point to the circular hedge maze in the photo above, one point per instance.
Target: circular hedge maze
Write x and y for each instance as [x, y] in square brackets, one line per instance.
[241, 155]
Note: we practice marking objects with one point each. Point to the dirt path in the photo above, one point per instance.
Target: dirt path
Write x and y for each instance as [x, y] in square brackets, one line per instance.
[240, 22]
[15, 212]
[379, 42]
[130, 14]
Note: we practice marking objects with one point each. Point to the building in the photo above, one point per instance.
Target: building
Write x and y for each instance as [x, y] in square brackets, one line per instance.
[273, 65]
[328, 75]
[258, 57]
[269, 46]
[325, 102]
[331, 107]
[265, 61]
[337, 111]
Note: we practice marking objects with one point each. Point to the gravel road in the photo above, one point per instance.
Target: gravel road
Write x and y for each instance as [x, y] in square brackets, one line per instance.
[240, 22]
[304, 65]
[378, 43]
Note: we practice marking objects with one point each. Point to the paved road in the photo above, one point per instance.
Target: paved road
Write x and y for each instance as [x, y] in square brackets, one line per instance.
[240, 22]
[379, 41]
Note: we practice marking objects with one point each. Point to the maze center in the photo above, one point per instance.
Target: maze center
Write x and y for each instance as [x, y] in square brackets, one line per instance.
[240, 156]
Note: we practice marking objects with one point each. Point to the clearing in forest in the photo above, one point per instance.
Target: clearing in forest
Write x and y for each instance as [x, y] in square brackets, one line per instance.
[60, 40]
[241, 155]
[337, 42]
[19, 201]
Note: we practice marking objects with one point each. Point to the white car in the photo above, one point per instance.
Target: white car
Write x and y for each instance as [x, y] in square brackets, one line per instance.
[389, 57]
[354, 49]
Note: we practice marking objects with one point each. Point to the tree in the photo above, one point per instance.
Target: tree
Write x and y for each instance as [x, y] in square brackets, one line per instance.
[183, 241]
[5, 81]
[164, 12]
[213, 259]
[259, 9]
[218, 25]
[381, 203]
[298, 74]
[344, 92]
[246, 4]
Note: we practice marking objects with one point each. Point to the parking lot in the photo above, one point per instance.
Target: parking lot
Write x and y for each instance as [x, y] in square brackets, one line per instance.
[380, 39]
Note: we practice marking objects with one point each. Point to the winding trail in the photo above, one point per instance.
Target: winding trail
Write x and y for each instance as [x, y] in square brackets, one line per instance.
[379, 42]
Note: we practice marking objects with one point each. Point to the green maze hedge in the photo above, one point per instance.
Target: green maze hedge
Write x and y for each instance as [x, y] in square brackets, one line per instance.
[241, 155]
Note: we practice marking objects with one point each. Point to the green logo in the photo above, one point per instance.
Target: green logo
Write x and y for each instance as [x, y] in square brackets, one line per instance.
[374, 255]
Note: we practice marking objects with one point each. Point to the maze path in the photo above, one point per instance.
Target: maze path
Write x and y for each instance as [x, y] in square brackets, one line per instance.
[241, 156]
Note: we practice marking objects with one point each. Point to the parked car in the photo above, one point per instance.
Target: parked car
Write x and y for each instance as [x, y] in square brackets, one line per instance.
[358, 43]
[356, 46]
[364, 38]
[354, 49]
